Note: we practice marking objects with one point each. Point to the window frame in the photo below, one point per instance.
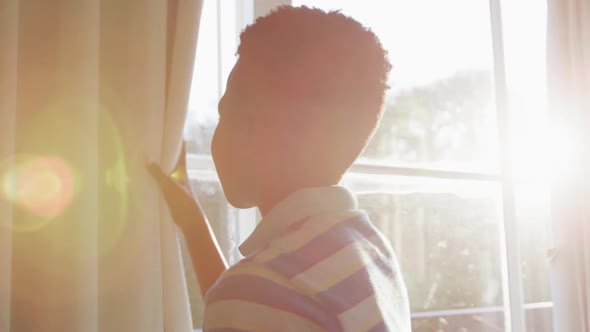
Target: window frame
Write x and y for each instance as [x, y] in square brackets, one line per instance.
[513, 306]
[514, 310]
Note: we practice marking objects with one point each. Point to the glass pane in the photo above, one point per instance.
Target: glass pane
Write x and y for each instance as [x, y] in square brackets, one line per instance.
[201, 116]
[440, 108]
[533, 216]
[217, 45]
[525, 58]
[445, 234]
[477, 321]
[222, 216]
[539, 319]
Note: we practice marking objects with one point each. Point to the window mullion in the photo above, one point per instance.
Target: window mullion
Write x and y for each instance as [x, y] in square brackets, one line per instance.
[511, 266]
[219, 51]
[377, 169]
[200, 162]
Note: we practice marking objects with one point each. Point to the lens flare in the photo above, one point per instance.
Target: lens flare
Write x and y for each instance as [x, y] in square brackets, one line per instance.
[67, 186]
[40, 185]
[81, 197]
[116, 177]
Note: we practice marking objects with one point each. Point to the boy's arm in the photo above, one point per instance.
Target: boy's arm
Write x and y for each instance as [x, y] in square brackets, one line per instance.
[188, 215]
[206, 256]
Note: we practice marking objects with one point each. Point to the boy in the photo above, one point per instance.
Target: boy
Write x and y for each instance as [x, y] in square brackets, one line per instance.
[301, 103]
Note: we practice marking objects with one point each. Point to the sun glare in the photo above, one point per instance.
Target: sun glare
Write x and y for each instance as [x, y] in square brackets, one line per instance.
[543, 153]
[40, 185]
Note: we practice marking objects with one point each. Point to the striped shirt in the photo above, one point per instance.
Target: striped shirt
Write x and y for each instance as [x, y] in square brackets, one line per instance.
[314, 263]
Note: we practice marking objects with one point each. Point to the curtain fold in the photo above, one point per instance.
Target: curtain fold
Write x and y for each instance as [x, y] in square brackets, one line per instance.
[90, 90]
[568, 68]
[8, 55]
[182, 45]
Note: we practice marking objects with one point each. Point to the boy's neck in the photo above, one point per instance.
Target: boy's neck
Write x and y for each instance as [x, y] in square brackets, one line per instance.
[268, 199]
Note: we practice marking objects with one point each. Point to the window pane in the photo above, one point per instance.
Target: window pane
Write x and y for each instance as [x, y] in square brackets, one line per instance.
[539, 319]
[445, 234]
[533, 213]
[478, 321]
[440, 108]
[525, 48]
[217, 45]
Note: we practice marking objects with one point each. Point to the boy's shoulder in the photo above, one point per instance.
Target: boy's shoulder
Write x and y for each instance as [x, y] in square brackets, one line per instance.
[276, 263]
[248, 271]
[252, 296]
[325, 271]
[317, 244]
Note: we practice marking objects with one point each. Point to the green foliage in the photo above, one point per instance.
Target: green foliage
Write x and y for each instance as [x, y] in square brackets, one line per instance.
[437, 122]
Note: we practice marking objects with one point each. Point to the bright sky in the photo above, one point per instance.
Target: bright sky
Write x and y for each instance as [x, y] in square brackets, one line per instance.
[426, 39]
[424, 45]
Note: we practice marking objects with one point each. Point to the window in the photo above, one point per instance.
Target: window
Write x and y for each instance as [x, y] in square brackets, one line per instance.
[467, 216]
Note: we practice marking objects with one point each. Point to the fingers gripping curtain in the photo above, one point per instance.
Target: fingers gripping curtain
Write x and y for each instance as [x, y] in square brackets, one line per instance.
[568, 64]
[90, 90]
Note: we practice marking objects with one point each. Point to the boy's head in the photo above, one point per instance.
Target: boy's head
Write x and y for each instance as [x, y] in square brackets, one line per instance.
[300, 105]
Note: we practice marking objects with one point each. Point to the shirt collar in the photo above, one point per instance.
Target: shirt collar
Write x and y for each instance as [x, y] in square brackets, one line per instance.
[297, 206]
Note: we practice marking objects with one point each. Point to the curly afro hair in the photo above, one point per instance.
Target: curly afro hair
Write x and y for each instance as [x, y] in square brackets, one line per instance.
[327, 64]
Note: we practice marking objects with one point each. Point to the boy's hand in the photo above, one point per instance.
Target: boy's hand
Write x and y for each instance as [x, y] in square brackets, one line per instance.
[206, 256]
[176, 191]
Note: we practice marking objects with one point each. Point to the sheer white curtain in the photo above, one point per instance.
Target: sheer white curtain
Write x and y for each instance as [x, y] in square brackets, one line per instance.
[568, 57]
[90, 90]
